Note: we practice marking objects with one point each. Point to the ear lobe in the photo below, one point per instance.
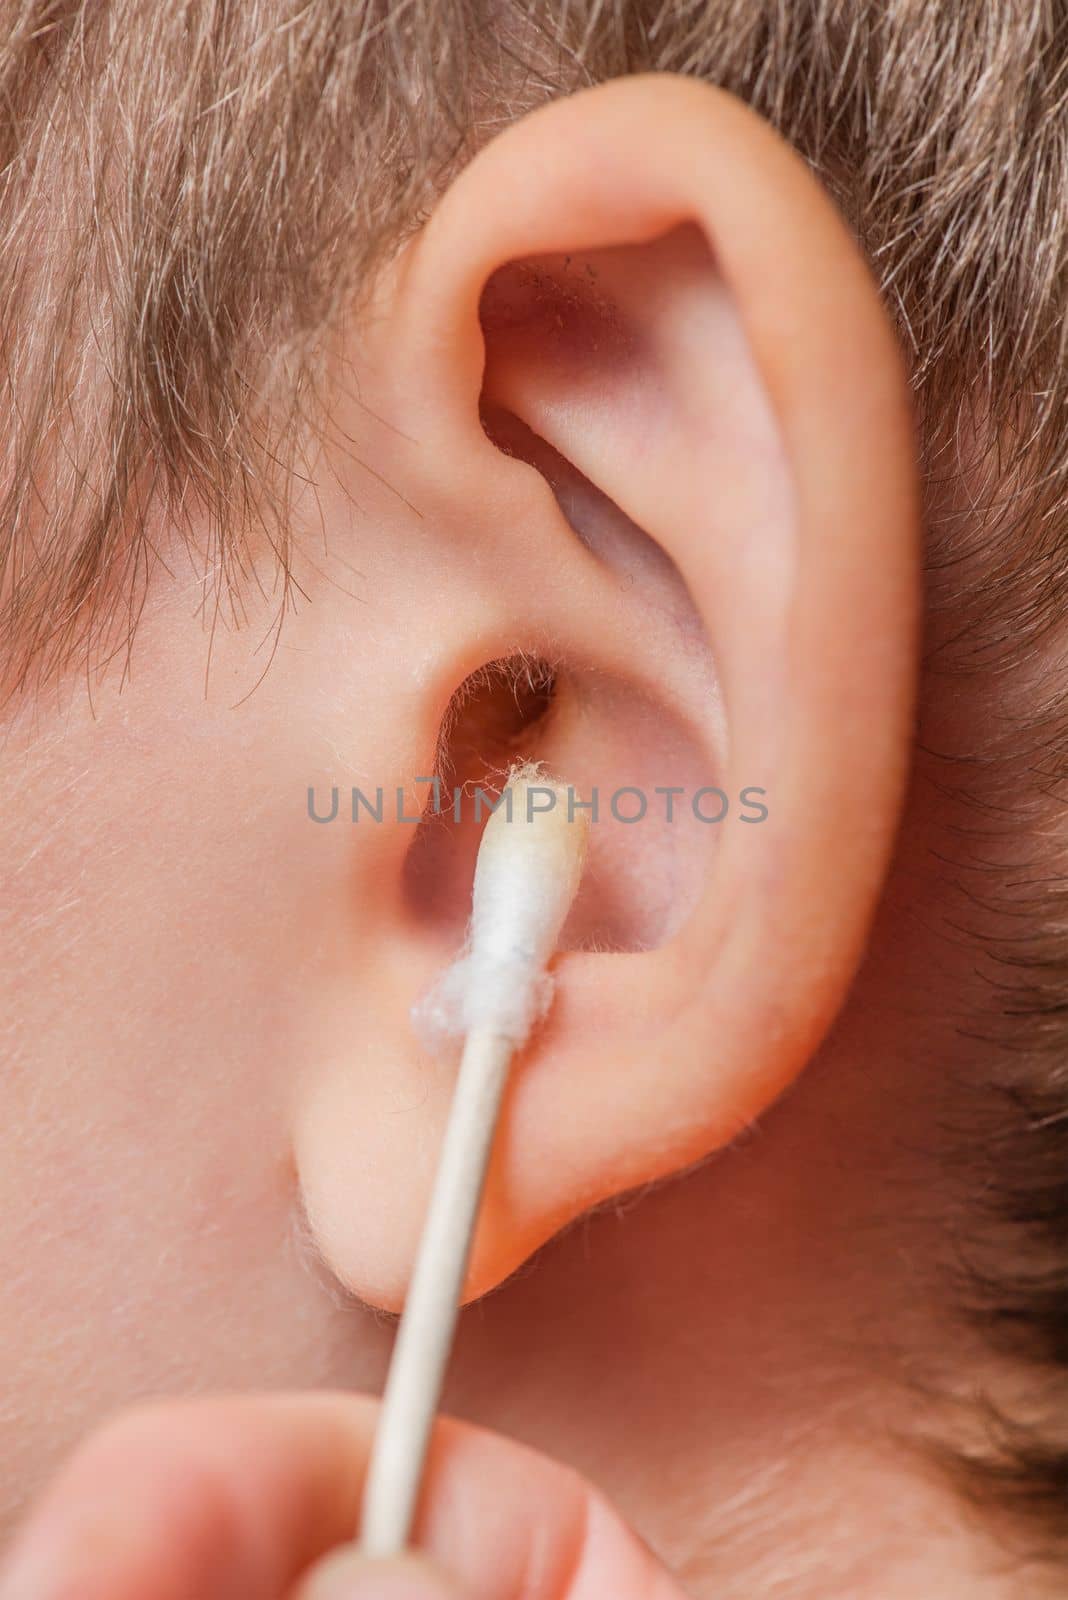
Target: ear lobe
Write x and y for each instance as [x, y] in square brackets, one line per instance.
[643, 285]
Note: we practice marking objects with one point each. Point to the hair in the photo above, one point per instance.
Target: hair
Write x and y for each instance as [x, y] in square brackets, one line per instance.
[193, 193]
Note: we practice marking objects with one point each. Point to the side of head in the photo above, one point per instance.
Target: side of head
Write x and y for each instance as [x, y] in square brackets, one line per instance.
[353, 446]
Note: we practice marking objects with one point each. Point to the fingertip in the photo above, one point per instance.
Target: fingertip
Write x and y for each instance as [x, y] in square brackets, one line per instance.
[346, 1575]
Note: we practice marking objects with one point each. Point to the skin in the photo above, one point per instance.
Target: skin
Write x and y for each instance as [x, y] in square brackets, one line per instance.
[220, 1126]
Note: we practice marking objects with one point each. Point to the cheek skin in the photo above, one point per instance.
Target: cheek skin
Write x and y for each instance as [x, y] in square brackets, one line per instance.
[160, 916]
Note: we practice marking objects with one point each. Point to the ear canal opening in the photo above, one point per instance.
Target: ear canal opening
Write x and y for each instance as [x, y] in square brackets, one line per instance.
[492, 717]
[496, 718]
[613, 745]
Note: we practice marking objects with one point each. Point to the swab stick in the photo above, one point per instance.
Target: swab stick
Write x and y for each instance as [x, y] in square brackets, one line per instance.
[529, 866]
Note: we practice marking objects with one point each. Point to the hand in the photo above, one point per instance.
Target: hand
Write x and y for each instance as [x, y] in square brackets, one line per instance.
[248, 1498]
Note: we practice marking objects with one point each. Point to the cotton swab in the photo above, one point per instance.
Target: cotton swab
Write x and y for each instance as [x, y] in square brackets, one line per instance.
[529, 866]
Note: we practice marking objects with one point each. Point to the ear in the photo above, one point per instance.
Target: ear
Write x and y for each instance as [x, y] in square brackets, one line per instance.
[638, 382]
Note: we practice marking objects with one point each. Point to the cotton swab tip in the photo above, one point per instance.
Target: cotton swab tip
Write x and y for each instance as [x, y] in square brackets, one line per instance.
[529, 868]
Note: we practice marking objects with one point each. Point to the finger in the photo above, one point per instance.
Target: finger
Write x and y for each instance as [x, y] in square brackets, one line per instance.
[347, 1576]
[238, 1497]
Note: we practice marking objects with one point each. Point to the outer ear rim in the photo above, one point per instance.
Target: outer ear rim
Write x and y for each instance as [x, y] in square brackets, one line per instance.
[843, 409]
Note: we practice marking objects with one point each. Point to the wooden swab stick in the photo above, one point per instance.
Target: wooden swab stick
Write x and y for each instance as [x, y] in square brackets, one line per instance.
[528, 872]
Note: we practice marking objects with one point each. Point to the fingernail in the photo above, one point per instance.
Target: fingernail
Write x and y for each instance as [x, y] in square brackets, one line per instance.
[346, 1575]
